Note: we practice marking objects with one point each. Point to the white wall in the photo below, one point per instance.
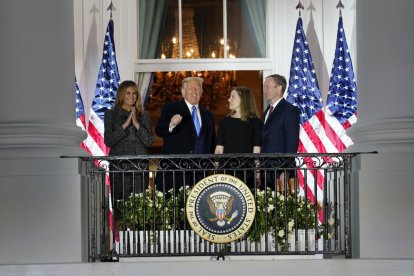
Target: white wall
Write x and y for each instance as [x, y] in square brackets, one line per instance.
[320, 23]
[91, 18]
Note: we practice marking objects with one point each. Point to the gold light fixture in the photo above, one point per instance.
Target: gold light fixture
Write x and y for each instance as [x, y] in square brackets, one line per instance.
[166, 86]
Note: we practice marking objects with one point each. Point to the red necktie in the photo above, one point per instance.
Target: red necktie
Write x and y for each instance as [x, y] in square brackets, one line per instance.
[270, 111]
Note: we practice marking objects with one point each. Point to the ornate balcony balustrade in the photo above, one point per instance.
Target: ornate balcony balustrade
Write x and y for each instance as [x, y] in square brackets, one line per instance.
[140, 206]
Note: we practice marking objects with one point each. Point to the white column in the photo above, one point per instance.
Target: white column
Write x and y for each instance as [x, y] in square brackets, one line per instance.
[385, 76]
[384, 182]
[40, 193]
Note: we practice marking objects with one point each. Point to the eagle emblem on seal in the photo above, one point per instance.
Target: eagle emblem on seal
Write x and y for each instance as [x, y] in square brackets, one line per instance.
[220, 204]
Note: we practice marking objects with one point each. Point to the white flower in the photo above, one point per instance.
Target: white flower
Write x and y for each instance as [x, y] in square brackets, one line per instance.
[160, 194]
[186, 188]
[281, 233]
[269, 208]
[291, 224]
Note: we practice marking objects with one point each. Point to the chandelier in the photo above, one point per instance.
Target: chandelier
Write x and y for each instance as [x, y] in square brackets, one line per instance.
[166, 86]
[171, 48]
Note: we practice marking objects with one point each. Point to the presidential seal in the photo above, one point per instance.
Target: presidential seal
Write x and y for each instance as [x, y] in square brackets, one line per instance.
[220, 208]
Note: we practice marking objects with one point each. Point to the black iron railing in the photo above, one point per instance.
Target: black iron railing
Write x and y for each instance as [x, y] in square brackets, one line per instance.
[137, 204]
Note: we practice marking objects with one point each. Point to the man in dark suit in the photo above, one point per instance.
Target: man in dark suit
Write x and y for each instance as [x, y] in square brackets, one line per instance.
[186, 128]
[280, 133]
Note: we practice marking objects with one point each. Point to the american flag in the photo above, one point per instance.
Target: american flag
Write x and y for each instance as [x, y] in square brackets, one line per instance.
[341, 106]
[80, 113]
[303, 92]
[105, 92]
[106, 86]
[322, 130]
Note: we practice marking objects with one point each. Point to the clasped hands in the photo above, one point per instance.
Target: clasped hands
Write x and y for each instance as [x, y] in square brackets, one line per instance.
[132, 119]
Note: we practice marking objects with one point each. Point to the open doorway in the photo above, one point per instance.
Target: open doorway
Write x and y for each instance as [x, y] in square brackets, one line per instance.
[166, 87]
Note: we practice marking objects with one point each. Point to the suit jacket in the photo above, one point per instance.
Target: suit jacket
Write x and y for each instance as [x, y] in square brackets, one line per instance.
[130, 141]
[183, 138]
[280, 133]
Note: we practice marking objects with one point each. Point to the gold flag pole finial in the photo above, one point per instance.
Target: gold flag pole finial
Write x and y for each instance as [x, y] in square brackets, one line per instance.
[299, 7]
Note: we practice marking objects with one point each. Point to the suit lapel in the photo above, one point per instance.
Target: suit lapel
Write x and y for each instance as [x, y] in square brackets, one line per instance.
[275, 111]
[203, 118]
[184, 109]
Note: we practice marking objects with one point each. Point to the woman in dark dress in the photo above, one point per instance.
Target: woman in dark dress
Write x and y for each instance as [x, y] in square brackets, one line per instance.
[128, 132]
[240, 131]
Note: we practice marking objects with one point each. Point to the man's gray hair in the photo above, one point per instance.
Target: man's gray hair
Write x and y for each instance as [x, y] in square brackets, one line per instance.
[190, 79]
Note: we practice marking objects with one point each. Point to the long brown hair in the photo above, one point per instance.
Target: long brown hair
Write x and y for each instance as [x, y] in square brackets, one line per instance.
[248, 108]
[120, 94]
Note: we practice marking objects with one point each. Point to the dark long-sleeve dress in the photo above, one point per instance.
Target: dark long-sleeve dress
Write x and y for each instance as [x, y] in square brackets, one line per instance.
[131, 141]
[237, 136]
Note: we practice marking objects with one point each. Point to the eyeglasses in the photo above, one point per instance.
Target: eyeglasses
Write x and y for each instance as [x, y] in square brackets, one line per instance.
[267, 87]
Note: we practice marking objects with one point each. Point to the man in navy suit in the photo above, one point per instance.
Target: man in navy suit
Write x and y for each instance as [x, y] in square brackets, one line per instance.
[186, 128]
[280, 132]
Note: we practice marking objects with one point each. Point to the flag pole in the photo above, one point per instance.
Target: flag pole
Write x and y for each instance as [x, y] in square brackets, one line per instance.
[340, 6]
[299, 7]
[110, 8]
[107, 83]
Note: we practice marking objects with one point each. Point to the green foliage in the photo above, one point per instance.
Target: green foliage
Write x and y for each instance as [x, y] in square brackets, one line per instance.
[276, 213]
[280, 214]
[175, 204]
[152, 211]
[142, 211]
